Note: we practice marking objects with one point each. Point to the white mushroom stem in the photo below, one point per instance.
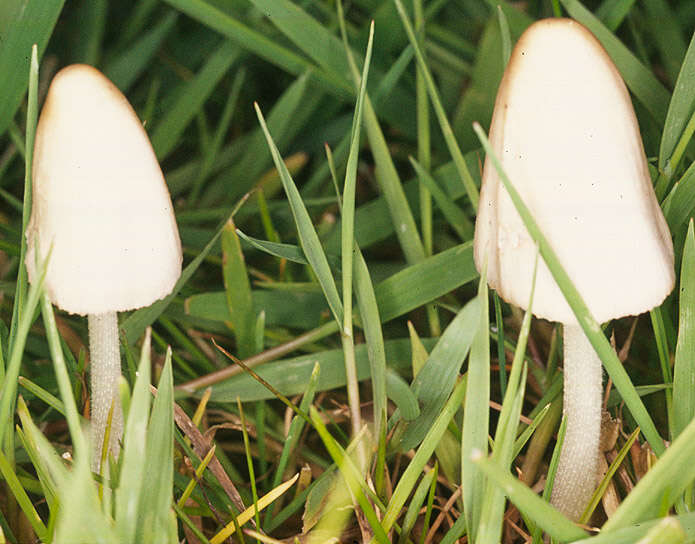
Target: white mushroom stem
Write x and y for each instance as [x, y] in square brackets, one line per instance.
[575, 480]
[105, 364]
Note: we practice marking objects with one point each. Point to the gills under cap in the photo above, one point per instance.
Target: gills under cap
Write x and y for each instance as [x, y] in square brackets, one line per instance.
[99, 200]
[567, 137]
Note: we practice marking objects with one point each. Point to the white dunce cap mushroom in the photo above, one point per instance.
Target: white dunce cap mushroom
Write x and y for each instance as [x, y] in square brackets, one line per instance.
[100, 201]
[102, 208]
[566, 134]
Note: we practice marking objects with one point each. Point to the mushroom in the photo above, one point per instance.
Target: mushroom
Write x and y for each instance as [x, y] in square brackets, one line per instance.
[102, 209]
[566, 134]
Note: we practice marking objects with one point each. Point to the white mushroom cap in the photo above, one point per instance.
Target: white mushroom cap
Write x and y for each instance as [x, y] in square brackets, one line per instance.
[100, 200]
[567, 136]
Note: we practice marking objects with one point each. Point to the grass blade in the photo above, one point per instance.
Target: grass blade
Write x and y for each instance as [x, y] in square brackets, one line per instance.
[545, 516]
[683, 410]
[680, 109]
[307, 234]
[158, 478]
[409, 477]
[135, 435]
[191, 98]
[257, 43]
[437, 378]
[447, 131]
[125, 69]
[476, 414]
[238, 290]
[639, 79]
[32, 24]
[453, 214]
[347, 253]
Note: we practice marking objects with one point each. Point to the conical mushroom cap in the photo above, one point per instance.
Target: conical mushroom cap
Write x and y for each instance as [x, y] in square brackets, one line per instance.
[99, 201]
[567, 136]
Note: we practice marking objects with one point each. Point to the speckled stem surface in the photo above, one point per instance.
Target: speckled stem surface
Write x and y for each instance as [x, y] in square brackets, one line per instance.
[575, 480]
[105, 370]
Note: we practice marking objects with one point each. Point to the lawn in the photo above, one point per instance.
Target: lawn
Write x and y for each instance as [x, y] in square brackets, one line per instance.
[331, 366]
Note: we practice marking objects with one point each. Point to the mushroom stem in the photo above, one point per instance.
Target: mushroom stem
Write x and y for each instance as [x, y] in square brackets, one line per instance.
[105, 365]
[575, 480]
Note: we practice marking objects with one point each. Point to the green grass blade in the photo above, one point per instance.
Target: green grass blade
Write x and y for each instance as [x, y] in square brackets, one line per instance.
[92, 23]
[529, 431]
[167, 132]
[371, 325]
[283, 251]
[63, 378]
[35, 389]
[680, 203]
[680, 109]
[284, 120]
[137, 20]
[352, 477]
[545, 516]
[347, 258]
[373, 221]
[416, 503]
[130, 64]
[506, 37]
[156, 492]
[32, 115]
[613, 12]
[8, 391]
[32, 24]
[15, 486]
[290, 376]
[307, 33]
[238, 290]
[402, 396]
[478, 101]
[296, 428]
[303, 308]
[426, 281]
[257, 43]
[452, 212]
[684, 366]
[222, 129]
[386, 173]
[476, 413]
[135, 437]
[607, 478]
[307, 234]
[447, 131]
[396, 295]
[409, 477]
[349, 186]
[662, 348]
[491, 517]
[437, 378]
[390, 184]
[591, 328]
[657, 532]
[46, 469]
[639, 79]
[665, 31]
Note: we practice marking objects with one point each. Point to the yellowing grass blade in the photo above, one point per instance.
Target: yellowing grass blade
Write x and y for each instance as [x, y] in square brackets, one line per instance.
[247, 514]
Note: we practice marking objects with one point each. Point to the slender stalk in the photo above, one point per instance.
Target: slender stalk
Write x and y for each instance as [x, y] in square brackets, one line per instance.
[576, 475]
[424, 156]
[105, 364]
